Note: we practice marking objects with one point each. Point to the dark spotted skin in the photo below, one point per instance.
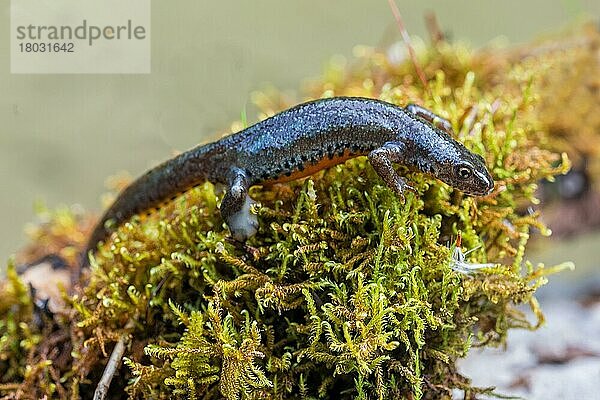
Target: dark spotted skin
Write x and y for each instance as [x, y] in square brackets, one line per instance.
[298, 142]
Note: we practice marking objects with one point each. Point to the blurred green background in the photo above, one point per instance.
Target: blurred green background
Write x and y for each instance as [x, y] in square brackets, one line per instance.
[61, 136]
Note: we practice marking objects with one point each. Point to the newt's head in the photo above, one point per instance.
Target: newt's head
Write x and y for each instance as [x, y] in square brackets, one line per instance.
[466, 173]
[433, 150]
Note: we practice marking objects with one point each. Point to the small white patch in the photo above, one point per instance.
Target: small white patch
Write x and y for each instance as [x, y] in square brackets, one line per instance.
[459, 263]
[243, 224]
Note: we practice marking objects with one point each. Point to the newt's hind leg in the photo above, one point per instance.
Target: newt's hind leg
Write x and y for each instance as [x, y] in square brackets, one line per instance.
[430, 116]
[235, 207]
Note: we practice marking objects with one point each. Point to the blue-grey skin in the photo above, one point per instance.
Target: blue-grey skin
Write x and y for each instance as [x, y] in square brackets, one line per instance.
[298, 142]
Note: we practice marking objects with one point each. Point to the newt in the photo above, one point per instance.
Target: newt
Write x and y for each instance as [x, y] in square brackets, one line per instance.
[297, 143]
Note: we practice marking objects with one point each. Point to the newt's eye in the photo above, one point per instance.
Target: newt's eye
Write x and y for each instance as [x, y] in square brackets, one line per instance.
[464, 172]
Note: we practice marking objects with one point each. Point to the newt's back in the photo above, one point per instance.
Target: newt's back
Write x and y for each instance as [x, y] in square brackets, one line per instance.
[308, 134]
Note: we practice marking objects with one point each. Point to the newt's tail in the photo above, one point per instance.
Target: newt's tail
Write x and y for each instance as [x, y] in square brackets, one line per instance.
[159, 185]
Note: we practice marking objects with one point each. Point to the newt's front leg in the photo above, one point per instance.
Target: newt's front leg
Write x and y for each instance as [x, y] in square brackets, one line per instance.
[235, 207]
[430, 116]
[382, 158]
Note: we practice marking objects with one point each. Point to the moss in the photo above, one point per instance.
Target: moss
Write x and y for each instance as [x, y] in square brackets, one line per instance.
[345, 292]
[569, 92]
[16, 337]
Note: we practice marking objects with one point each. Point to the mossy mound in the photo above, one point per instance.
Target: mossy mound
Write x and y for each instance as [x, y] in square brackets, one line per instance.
[345, 292]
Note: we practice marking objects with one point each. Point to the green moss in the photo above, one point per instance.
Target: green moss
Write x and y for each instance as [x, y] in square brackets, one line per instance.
[345, 292]
[16, 337]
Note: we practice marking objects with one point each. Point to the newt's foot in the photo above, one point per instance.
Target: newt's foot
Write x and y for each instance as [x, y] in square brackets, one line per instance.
[243, 224]
[430, 116]
[381, 160]
[401, 187]
[251, 251]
